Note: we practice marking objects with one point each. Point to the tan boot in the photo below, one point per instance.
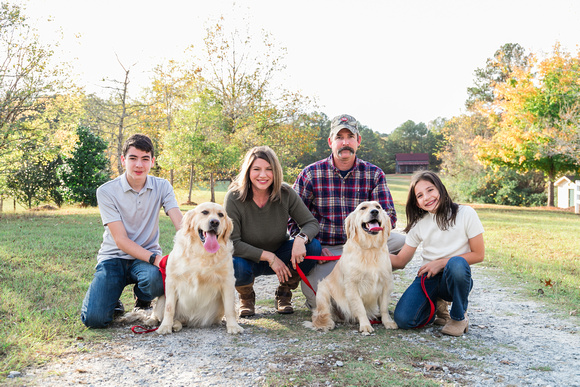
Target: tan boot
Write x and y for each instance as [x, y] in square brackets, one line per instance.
[442, 313]
[284, 294]
[247, 300]
[456, 328]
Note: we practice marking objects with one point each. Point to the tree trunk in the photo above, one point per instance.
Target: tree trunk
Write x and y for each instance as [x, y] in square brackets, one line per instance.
[551, 189]
[171, 177]
[190, 183]
[121, 127]
[212, 187]
[1, 204]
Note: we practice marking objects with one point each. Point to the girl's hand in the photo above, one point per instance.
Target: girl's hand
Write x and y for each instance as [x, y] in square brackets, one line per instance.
[432, 268]
[298, 252]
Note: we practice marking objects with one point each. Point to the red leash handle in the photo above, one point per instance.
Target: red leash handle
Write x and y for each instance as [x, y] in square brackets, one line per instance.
[138, 329]
[423, 277]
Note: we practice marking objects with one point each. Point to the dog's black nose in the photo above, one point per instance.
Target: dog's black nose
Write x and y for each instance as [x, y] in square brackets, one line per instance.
[214, 223]
[375, 213]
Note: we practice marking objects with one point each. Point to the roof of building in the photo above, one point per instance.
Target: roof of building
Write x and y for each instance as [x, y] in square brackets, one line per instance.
[412, 158]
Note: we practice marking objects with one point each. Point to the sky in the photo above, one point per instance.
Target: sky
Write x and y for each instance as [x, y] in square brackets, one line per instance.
[384, 62]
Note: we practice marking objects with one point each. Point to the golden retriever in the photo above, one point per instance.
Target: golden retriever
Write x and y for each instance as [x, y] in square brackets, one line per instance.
[199, 285]
[360, 285]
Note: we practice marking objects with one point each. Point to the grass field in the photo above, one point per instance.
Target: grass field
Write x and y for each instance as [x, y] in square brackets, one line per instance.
[47, 259]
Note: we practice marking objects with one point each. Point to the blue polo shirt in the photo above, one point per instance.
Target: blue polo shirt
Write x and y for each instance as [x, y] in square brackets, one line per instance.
[139, 212]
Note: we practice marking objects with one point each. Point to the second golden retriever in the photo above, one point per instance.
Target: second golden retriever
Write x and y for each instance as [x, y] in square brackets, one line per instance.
[360, 285]
[199, 285]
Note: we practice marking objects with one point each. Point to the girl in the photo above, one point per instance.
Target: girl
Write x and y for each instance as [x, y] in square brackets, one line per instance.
[260, 204]
[452, 237]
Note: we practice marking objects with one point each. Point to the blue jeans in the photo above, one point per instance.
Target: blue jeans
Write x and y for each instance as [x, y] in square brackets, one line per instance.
[246, 270]
[453, 284]
[111, 277]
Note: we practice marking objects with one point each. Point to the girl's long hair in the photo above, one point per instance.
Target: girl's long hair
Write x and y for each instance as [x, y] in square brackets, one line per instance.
[446, 211]
[242, 184]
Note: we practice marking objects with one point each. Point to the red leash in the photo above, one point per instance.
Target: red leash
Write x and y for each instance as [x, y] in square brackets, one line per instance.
[423, 277]
[138, 329]
[316, 258]
[322, 258]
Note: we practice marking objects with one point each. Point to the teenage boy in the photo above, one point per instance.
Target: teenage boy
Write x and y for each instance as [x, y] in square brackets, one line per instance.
[130, 251]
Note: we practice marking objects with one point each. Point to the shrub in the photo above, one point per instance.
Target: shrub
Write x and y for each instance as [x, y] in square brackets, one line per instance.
[504, 186]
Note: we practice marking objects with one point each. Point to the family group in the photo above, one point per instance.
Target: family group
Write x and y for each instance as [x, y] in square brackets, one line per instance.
[277, 225]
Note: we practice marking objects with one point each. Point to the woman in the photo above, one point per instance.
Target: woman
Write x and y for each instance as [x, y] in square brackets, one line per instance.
[452, 237]
[260, 204]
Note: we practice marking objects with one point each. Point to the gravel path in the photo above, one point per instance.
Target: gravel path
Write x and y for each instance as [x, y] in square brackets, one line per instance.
[515, 341]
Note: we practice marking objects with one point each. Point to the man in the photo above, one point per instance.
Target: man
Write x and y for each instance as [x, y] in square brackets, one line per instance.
[333, 187]
[130, 251]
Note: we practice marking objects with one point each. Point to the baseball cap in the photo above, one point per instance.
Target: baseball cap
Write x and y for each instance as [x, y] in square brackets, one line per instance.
[344, 121]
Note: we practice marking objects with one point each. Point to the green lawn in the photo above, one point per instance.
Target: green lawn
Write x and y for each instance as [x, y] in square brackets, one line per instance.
[47, 259]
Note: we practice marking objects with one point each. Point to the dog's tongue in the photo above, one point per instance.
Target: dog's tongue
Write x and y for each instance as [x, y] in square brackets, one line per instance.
[374, 226]
[211, 244]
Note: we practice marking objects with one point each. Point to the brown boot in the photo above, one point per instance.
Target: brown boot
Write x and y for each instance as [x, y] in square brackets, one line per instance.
[284, 294]
[442, 312]
[247, 300]
[456, 328]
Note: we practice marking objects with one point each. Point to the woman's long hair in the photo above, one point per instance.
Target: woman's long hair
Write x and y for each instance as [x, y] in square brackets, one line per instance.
[242, 184]
[446, 211]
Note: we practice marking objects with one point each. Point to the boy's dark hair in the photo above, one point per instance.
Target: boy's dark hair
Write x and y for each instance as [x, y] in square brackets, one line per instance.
[139, 141]
[446, 210]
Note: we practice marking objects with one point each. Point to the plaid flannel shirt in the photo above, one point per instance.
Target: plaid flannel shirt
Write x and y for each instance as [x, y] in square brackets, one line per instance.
[330, 197]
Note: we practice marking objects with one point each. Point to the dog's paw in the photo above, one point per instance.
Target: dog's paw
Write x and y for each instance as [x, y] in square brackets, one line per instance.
[366, 329]
[314, 327]
[164, 329]
[177, 326]
[234, 329]
[390, 325]
[151, 322]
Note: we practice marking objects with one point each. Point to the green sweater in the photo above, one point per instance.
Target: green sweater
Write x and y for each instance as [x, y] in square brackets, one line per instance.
[257, 229]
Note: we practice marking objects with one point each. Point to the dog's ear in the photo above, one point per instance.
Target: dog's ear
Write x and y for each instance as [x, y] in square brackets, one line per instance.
[387, 223]
[228, 228]
[187, 223]
[350, 225]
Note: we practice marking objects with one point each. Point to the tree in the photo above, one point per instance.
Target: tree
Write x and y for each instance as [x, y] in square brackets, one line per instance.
[172, 89]
[470, 181]
[239, 71]
[497, 70]
[200, 142]
[413, 138]
[87, 169]
[27, 77]
[235, 106]
[33, 179]
[117, 115]
[530, 130]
